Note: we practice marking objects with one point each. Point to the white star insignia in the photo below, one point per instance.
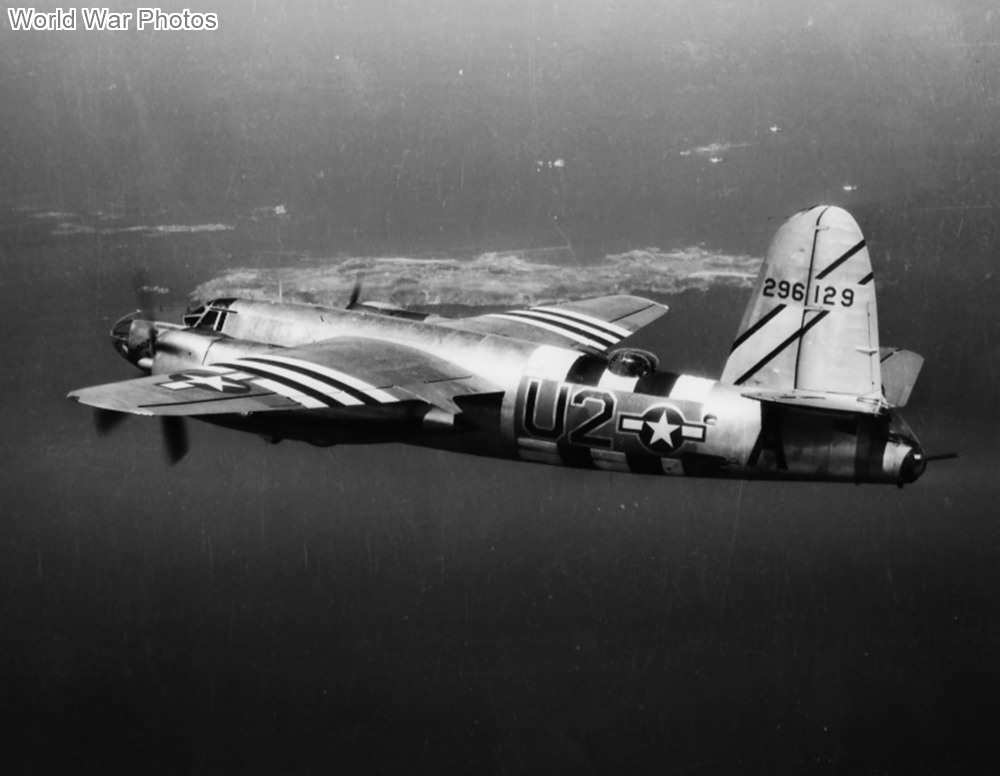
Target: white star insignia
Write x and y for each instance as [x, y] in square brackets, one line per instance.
[662, 429]
[214, 382]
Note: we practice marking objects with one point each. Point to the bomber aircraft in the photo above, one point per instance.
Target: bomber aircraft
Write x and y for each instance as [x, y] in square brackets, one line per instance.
[806, 393]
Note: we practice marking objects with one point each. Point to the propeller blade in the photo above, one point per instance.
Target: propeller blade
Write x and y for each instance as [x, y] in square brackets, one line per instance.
[175, 437]
[106, 421]
[355, 294]
[145, 300]
[143, 294]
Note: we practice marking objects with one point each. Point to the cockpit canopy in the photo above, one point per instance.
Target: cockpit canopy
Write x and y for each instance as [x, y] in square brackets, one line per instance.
[211, 315]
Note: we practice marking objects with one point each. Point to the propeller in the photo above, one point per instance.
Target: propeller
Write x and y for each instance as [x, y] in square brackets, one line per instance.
[173, 431]
[135, 337]
[106, 421]
[143, 291]
[175, 437]
[355, 294]
[145, 331]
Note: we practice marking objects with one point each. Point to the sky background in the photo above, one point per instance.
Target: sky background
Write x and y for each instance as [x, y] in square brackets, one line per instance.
[384, 608]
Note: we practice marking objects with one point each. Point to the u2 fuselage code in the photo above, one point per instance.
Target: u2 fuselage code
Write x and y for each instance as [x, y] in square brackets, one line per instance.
[585, 416]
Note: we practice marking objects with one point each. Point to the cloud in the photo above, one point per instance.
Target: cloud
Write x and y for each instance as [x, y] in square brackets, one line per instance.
[714, 149]
[72, 228]
[488, 280]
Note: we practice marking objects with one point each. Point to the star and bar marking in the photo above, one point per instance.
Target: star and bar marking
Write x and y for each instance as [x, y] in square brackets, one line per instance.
[229, 382]
[661, 428]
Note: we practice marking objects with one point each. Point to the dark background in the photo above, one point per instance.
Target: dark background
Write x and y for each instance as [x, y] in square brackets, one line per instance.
[383, 609]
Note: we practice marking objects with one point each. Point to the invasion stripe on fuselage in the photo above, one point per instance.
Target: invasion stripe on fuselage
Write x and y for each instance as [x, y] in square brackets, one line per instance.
[551, 362]
[586, 370]
[611, 382]
[644, 463]
[610, 460]
[656, 383]
[691, 388]
[576, 455]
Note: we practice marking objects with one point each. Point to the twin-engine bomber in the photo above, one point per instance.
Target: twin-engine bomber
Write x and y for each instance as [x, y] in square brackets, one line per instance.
[806, 393]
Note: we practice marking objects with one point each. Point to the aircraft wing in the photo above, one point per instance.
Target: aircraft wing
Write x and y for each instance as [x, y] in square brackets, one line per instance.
[599, 323]
[342, 373]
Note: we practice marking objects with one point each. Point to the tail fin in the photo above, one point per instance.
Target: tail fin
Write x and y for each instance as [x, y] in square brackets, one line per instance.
[812, 324]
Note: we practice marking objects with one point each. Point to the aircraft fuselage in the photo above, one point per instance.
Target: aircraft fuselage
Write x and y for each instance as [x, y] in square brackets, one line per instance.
[561, 406]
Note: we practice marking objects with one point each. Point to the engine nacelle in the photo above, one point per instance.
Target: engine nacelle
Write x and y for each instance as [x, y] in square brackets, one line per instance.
[188, 348]
[183, 349]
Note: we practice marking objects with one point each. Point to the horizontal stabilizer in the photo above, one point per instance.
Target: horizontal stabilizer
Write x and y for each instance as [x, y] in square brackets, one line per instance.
[900, 369]
[816, 400]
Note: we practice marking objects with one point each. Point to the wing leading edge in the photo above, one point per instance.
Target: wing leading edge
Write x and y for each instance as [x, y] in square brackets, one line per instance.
[344, 373]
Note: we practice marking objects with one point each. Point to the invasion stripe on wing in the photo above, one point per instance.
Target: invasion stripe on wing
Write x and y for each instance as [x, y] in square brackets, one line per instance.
[612, 328]
[327, 395]
[570, 324]
[290, 393]
[555, 329]
[348, 382]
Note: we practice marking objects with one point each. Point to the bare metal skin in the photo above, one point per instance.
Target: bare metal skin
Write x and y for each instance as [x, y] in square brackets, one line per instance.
[807, 393]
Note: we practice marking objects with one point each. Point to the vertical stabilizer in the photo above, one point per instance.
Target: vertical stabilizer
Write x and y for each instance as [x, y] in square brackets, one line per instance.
[811, 324]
